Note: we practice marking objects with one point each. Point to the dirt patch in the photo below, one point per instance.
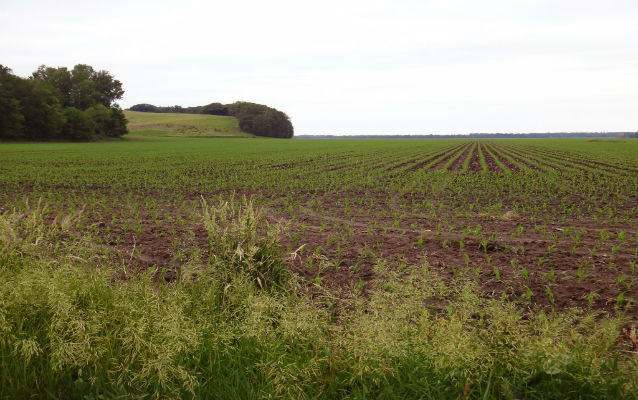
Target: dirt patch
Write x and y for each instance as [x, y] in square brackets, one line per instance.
[523, 264]
[431, 158]
[509, 245]
[500, 150]
[489, 160]
[475, 161]
[491, 155]
[441, 162]
[401, 165]
[587, 163]
[458, 163]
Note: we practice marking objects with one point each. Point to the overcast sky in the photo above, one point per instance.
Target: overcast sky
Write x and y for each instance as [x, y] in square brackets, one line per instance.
[354, 67]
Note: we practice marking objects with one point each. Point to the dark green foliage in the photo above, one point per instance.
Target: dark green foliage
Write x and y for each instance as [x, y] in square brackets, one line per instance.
[29, 109]
[11, 119]
[144, 108]
[58, 104]
[210, 109]
[261, 120]
[215, 109]
[257, 119]
[117, 124]
[43, 116]
[78, 124]
[107, 121]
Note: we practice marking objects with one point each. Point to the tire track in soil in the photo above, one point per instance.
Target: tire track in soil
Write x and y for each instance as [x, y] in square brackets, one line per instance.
[494, 152]
[415, 167]
[525, 162]
[326, 162]
[336, 166]
[430, 155]
[457, 165]
[459, 156]
[403, 164]
[543, 162]
[388, 159]
[578, 166]
[440, 163]
[586, 158]
[339, 165]
[428, 160]
[475, 162]
[585, 162]
[289, 165]
[491, 161]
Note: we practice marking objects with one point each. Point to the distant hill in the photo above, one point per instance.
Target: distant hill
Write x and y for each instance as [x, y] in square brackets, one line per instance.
[185, 124]
[258, 119]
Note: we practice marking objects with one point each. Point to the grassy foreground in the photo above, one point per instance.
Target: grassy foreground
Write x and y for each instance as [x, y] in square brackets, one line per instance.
[185, 124]
[239, 326]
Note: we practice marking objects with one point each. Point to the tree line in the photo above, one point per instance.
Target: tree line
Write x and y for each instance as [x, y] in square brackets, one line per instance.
[592, 135]
[60, 104]
[257, 119]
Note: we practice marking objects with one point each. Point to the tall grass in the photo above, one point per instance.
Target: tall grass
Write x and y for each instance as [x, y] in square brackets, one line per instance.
[236, 327]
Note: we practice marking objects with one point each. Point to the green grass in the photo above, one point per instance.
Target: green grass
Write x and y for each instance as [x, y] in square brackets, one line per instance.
[186, 125]
[71, 329]
[221, 315]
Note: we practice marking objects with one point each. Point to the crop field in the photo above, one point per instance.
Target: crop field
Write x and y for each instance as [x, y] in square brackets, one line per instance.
[537, 225]
[546, 223]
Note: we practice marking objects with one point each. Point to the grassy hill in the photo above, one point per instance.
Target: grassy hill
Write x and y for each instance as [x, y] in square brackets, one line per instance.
[184, 124]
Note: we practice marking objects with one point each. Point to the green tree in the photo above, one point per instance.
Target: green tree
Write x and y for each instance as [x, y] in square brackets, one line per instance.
[78, 124]
[57, 103]
[261, 120]
[59, 79]
[41, 109]
[82, 87]
[11, 119]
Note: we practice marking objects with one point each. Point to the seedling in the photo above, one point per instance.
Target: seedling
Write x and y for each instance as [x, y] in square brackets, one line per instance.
[528, 295]
[550, 294]
[591, 297]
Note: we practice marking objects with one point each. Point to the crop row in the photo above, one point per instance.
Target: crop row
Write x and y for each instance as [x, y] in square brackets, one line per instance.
[526, 218]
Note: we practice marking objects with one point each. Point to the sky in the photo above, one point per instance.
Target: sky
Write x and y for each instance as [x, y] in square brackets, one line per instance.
[354, 67]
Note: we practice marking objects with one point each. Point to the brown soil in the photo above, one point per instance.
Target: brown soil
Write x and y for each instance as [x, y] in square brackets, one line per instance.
[403, 164]
[491, 162]
[500, 150]
[440, 163]
[457, 165]
[541, 161]
[511, 166]
[475, 161]
[538, 254]
[428, 160]
[582, 157]
[563, 157]
[509, 256]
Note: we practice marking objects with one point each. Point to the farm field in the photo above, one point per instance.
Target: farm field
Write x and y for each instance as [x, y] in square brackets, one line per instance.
[184, 125]
[460, 228]
[522, 218]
